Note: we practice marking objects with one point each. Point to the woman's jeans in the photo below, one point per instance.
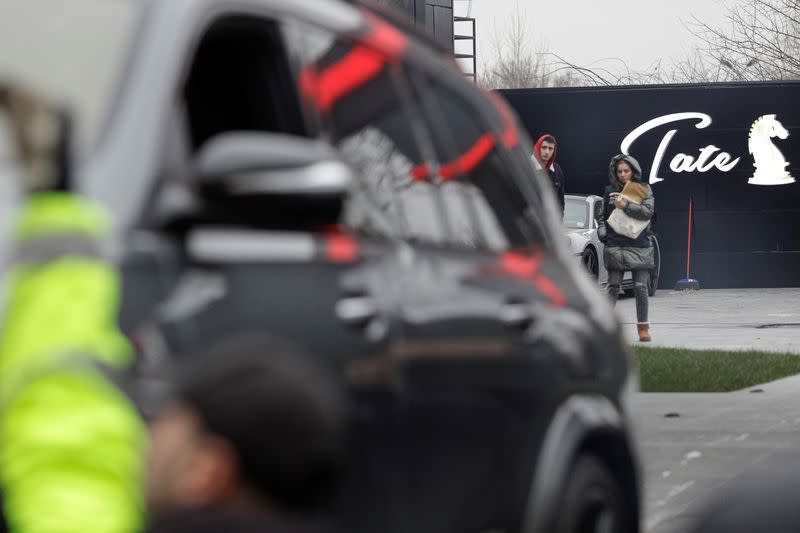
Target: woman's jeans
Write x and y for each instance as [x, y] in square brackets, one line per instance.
[640, 282]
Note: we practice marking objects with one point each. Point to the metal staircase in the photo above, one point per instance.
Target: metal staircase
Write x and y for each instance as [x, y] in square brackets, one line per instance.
[465, 31]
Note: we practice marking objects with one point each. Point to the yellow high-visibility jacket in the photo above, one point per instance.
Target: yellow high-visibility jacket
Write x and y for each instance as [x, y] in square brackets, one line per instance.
[72, 446]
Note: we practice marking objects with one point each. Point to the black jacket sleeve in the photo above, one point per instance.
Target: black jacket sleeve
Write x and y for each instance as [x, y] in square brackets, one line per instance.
[602, 233]
[557, 177]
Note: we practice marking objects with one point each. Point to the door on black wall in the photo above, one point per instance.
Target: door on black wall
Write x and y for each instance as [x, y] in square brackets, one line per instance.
[439, 21]
[435, 15]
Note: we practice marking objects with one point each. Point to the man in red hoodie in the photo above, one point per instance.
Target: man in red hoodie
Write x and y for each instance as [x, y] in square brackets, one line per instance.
[544, 158]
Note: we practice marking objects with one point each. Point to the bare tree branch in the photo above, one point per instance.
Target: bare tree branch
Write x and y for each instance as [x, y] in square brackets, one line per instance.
[763, 41]
[517, 63]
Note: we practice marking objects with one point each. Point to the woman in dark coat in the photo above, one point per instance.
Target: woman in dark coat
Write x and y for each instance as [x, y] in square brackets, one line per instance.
[621, 252]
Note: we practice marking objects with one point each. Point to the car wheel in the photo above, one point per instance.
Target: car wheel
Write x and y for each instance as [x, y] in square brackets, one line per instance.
[590, 262]
[652, 286]
[593, 500]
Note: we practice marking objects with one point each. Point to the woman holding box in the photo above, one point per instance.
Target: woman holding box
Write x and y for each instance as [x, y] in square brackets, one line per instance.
[624, 228]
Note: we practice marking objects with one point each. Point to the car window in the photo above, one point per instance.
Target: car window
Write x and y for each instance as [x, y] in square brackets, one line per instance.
[471, 220]
[366, 118]
[253, 93]
[217, 96]
[576, 213]
[480, 207]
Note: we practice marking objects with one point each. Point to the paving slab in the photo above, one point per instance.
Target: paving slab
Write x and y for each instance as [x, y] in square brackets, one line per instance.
[736, 319]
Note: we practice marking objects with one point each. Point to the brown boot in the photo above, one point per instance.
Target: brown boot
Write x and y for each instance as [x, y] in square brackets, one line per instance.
[644, 331]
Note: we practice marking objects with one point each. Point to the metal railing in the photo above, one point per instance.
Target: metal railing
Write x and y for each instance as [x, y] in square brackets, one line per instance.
[466, 37]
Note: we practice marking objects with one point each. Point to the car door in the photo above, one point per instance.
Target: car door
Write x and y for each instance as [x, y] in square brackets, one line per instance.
[452, 447]
[319, 287]
[472, 365]
[362, 112]
[458, 418]
[424, 454]
[511, 255]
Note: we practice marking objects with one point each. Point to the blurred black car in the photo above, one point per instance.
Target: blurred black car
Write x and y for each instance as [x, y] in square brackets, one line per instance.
[306, 169]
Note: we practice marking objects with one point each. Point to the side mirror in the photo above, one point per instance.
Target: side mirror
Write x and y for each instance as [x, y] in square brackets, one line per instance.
[272, 180]
[246, 163]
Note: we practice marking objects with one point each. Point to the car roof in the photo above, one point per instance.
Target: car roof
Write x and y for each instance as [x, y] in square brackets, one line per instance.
[582, 196]
[336, 15]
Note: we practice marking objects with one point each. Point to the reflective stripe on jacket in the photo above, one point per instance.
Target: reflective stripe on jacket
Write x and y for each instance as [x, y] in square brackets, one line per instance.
[72, 447]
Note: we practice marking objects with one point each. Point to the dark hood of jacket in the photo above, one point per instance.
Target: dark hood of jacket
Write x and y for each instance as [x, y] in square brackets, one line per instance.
[612, 170]
[537, 152]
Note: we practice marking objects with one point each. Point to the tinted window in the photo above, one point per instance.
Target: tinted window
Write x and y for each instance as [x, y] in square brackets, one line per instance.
[471, 220]
[483, 207]
[253, 93]
[365, 116]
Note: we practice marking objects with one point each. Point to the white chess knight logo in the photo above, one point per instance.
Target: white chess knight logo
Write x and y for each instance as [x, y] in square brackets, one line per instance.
[769, 161]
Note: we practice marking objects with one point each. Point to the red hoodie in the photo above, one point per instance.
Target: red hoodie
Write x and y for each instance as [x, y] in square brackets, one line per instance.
[537, 152]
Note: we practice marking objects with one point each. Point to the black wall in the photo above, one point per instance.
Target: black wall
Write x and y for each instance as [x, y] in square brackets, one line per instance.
[744, 235]
[435, 15]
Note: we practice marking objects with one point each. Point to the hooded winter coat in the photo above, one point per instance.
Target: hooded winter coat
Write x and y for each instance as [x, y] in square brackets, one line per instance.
[553, 169]
[621, 252]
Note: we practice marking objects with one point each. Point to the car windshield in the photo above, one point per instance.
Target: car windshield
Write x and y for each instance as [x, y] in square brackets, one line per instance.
[70, 51]
[576, 213]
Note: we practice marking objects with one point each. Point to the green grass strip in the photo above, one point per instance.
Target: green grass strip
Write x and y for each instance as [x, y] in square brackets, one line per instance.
[680, 370]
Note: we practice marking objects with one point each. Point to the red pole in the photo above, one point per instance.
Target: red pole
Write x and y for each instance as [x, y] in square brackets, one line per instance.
[689, 240]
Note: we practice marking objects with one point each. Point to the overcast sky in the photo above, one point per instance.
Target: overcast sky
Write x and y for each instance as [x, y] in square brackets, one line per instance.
[586, 31]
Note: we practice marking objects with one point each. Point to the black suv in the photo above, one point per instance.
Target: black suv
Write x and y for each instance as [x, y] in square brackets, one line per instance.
[305, 168]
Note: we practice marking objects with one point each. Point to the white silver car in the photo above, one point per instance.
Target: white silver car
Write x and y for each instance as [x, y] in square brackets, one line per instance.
[581, 213]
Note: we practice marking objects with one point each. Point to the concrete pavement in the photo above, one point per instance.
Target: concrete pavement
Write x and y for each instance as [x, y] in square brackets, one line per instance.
[694, 444]
[759, 319]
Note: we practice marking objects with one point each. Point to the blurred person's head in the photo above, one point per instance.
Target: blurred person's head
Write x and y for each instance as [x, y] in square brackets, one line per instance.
[252, 421]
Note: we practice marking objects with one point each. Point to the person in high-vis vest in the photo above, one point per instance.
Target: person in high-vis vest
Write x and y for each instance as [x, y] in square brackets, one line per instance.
[72, 445]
